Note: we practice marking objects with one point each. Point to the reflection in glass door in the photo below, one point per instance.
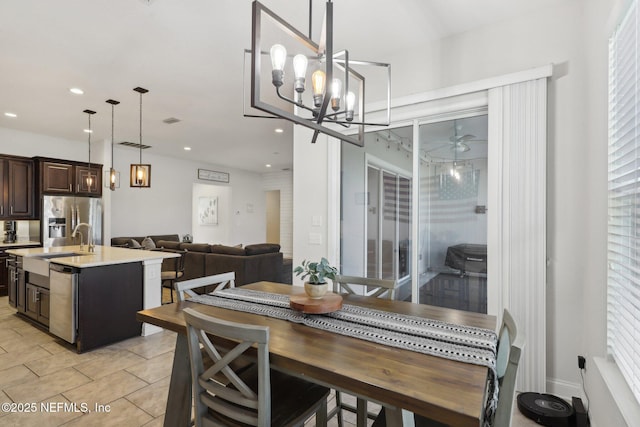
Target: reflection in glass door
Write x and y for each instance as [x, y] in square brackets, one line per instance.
[375, 231]
[388, 224]
[452, 214]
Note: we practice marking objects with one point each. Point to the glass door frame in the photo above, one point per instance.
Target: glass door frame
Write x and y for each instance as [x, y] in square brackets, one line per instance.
[383, 166]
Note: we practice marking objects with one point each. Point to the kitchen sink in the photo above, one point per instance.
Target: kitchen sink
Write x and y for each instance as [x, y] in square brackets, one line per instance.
[39, 264]
[61, 255]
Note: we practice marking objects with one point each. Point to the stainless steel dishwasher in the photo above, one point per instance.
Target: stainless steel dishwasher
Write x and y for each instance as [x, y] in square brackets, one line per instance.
[63, 285]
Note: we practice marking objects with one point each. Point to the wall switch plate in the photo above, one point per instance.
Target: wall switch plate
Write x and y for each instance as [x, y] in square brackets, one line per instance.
[315, 238]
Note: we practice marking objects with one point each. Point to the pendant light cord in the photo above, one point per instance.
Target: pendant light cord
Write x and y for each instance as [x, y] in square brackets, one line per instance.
[112, 116]
[89, 164]
[140, 129]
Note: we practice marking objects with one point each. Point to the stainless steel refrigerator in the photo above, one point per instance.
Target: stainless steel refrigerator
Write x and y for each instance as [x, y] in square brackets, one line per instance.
[61, 214]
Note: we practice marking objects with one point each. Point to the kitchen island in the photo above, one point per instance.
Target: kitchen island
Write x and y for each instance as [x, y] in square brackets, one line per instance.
[88, 298]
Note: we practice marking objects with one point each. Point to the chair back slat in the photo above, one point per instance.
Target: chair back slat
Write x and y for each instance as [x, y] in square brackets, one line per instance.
[240, 402]
[385, 287]
[220, 281]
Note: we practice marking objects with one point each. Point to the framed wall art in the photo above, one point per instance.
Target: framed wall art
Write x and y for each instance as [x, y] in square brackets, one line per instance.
[208, 211]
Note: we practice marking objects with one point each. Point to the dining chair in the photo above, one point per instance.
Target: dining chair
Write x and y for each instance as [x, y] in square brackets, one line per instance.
[169, 277]
[209, 284]
[258, 396]
[510, 345]
[379, 288]
[187, 289]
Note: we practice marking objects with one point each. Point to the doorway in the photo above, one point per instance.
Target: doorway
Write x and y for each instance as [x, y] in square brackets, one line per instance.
[273, 216]
[452, 230]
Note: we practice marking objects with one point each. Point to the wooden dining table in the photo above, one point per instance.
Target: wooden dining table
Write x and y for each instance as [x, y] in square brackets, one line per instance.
[404, 381]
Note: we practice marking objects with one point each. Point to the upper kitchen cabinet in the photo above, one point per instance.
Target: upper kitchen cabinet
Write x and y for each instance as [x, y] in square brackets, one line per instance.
[72, 178]
[16, 182]
[89, 180]
[57, 178]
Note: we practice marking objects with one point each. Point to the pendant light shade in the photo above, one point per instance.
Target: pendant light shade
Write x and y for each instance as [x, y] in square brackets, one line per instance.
[90, 178]
[140, 174]
[112, 177]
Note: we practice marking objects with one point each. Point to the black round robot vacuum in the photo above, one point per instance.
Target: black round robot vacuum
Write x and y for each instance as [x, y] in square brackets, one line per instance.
[545, 409]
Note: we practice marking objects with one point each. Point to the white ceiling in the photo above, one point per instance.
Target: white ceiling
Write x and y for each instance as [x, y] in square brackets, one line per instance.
[189, 54]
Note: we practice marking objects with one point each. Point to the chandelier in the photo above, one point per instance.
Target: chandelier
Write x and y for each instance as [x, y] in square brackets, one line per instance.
[334, 104]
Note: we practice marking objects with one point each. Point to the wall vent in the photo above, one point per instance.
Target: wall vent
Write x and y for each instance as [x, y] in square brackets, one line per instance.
[134, 145]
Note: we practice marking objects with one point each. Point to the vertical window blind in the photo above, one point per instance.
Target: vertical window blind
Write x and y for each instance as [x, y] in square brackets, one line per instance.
[623, 303]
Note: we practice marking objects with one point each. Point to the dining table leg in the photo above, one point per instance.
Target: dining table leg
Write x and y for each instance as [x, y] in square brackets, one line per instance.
[178, 412]
[397, 417]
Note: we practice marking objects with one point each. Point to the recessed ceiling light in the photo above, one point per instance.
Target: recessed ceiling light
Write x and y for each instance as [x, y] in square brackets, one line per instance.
[187, 148]
[10, 114]
[279, 130]
[267, 165]
[88, 131]
[76, 91]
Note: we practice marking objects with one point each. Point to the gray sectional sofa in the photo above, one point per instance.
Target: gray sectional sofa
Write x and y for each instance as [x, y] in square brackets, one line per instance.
[251, 263]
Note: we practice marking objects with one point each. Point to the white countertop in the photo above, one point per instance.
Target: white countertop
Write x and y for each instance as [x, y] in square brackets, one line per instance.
[103, 255]
[18, 243]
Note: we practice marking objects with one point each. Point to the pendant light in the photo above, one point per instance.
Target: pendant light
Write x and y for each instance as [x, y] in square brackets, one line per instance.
[112, 177]
[140, 173]
[90, 179]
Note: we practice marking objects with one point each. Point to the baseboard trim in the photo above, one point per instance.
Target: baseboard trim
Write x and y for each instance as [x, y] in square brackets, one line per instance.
[564, 389]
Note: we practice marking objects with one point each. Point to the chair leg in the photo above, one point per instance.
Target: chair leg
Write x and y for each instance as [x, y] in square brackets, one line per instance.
[361, 413]
[339, 408]
[321, 415]
[171, 290]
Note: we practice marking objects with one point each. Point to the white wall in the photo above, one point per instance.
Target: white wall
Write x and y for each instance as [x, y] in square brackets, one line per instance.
[310, 195]
[32, 144]
[168, 205]
[164, 208]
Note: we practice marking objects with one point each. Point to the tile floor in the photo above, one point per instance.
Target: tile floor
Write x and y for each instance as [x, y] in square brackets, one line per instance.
[127, 382]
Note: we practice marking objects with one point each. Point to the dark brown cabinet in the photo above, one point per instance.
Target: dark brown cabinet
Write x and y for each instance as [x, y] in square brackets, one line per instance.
[4, 274]
[16, 282]
[37, 303]
[16, 182]
[89, 180]
[71, 178]
[57, 178]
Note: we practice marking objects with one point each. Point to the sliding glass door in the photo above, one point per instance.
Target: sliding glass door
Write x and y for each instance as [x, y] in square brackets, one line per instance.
[376, 208]
[452, 230]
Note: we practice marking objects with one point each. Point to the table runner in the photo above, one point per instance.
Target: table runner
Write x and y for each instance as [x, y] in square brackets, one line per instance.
[436, 338]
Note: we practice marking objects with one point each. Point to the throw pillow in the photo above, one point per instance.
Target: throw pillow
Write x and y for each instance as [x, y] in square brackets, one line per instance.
[148, 244]
[134, 244]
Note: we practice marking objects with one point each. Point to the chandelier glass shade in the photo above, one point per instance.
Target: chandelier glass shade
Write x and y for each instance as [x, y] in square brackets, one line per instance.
[283, 63]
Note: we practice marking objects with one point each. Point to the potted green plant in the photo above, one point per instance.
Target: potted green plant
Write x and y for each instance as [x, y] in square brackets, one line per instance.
[315, 275]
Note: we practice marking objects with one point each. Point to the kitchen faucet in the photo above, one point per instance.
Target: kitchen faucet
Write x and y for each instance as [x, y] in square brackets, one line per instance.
[92, 247]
